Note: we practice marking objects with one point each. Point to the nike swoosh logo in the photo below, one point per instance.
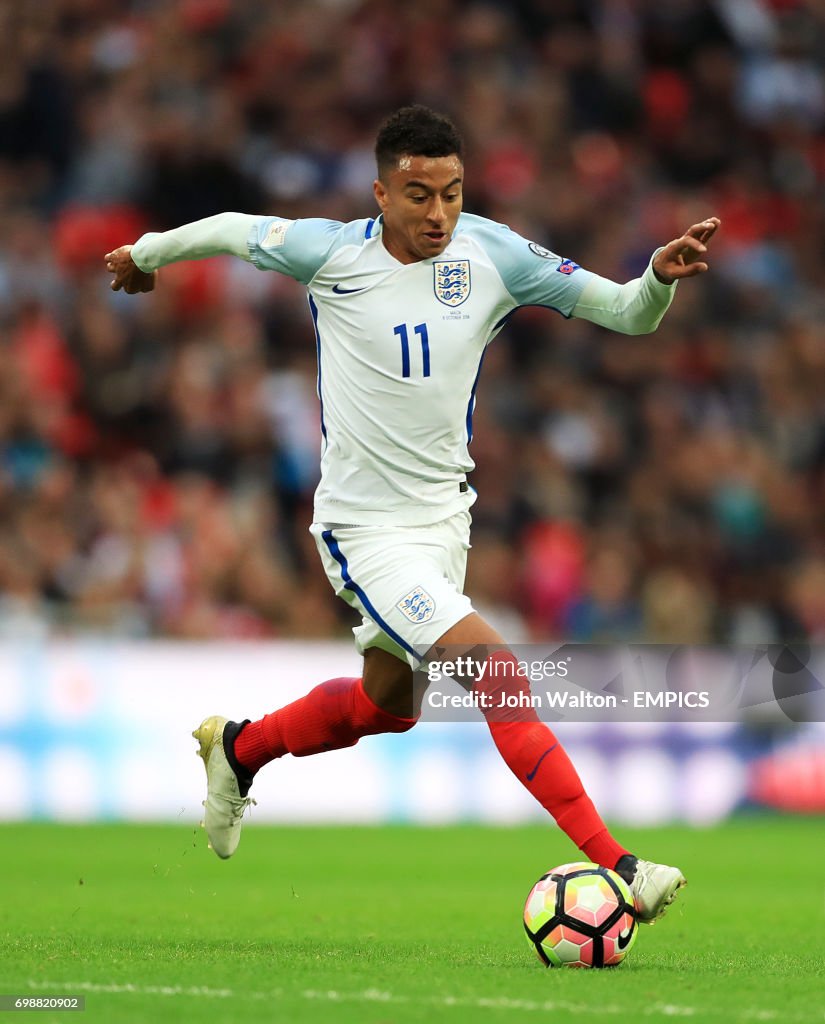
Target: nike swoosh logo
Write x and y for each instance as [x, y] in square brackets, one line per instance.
[549, 750]
[623, 938]
[345, 291]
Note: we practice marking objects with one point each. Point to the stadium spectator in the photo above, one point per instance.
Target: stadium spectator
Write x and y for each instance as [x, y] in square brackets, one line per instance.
[590, 124]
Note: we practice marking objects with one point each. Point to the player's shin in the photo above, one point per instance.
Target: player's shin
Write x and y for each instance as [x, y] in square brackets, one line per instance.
[333, 715]
[537, 759]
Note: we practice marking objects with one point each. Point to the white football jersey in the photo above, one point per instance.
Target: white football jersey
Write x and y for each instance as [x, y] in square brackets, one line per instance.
[400, 349]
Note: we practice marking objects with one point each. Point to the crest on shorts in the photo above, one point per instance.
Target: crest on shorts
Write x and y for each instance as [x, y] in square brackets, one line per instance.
[451, 281]
[418, 606]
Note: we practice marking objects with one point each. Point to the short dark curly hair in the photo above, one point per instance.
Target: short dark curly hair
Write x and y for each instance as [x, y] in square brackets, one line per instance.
[415, 131]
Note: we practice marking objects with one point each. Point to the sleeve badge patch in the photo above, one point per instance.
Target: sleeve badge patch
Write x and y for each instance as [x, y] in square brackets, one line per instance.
[539, 250]
[274, 238]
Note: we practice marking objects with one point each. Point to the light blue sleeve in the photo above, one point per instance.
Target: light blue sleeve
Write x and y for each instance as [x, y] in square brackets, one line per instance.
[533, 275]
[299, 248]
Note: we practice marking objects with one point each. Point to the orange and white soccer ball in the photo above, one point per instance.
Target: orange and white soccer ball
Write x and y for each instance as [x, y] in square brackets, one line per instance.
[580, 915]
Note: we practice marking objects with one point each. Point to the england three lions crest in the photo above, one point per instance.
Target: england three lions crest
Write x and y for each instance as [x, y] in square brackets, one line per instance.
[451, 281]
[418, 606]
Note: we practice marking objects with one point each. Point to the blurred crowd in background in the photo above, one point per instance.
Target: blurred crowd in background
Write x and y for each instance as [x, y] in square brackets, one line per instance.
[158, 453]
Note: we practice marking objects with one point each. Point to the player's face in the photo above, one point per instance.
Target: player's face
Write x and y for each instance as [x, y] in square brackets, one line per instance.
[420, 199]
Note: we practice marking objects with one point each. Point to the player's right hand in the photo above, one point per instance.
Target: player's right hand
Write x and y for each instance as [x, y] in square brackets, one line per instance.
[128, 275]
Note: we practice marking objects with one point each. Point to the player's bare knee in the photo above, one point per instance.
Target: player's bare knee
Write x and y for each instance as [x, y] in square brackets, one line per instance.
[391, 685]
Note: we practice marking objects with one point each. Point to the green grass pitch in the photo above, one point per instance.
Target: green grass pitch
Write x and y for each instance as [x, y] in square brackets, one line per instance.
[397, 924]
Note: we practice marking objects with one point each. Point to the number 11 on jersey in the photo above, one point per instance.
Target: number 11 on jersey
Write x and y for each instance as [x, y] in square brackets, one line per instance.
[421, 331]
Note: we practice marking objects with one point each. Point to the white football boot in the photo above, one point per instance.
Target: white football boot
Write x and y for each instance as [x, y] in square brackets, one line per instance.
[654, 888]
[225, 806]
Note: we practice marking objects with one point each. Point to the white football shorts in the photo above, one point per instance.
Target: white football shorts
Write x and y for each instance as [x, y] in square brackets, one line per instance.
[406, 581]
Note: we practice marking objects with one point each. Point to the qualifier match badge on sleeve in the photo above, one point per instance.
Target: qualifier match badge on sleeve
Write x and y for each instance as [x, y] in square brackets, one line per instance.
[277, 234]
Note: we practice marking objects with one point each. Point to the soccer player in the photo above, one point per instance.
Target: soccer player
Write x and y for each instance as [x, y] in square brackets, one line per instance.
[404, 306]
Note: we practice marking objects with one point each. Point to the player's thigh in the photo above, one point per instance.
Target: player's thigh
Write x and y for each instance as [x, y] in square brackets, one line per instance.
[452, 538]
[400, 579]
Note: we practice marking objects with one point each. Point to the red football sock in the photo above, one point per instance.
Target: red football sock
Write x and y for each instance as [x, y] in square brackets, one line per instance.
[333, 715]
[540, 763]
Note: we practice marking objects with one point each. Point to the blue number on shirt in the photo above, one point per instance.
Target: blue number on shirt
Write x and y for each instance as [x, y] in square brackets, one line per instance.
[421, 331]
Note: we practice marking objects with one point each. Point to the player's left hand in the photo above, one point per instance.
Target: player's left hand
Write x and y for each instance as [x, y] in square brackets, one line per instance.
[683, 257]
[128, 275]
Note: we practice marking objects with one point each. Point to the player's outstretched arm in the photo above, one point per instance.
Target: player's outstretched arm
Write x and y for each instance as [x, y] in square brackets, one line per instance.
[638, 306]
[683, 257]
[135, 266]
